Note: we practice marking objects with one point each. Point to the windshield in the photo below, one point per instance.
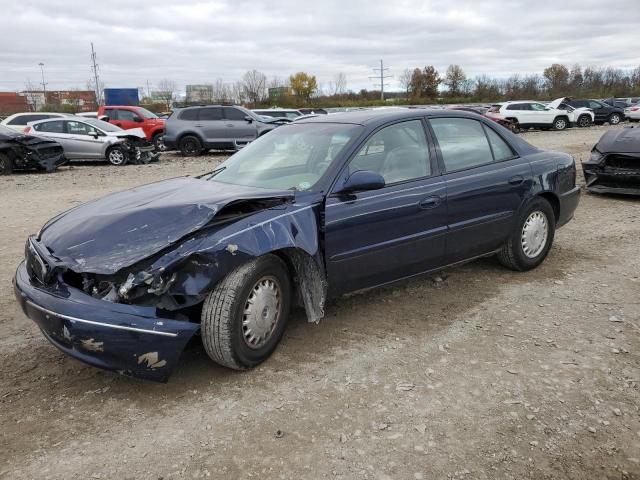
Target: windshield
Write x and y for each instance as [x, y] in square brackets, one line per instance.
[105, 126]
[7, 131]
[289, 157]
[146, 113]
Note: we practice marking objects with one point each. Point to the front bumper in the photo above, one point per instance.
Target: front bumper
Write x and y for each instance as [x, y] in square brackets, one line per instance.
[127, 339]
[607, 179]
[48, 162]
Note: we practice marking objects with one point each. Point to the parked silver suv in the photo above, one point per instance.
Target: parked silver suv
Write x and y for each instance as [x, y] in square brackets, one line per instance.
[193, 130]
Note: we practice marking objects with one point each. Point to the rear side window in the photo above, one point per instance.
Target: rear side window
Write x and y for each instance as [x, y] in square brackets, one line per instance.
[501, 150]
[112, 113]
[24, 119]
[190, 114]
[56, 126]
[231, 113]
[462, 142]
[214, 113]
[517, 106]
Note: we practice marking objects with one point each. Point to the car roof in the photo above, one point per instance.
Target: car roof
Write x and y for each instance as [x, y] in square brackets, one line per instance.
[371, 117]
[275, 110]
[57, 119]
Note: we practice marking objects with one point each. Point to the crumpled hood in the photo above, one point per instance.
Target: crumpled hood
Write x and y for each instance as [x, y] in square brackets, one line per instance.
[121, 229]
[623, 140]
[26, 140]
[136, 132]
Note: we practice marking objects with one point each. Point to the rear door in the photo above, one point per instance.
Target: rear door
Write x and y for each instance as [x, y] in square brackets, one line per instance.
[54, 130]
[211, 124]
[486, 182]
[520, 111]
[374, 237]
[239, 129]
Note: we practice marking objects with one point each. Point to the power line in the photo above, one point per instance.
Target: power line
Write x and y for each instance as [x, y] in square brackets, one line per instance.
[96, 77]
[382, 77]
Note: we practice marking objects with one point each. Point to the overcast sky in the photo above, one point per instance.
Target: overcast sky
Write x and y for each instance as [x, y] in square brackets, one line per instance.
[197, 42]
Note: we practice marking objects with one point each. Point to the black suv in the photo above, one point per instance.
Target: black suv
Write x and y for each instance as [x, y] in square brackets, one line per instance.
[193, 130]
[603, 112]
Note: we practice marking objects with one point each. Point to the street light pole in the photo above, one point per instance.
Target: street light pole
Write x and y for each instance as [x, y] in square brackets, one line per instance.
[44, 85]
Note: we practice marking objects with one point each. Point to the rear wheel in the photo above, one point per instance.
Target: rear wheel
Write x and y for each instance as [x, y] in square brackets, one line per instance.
[614, 119]
[584, 121]
[117, 156]
[245, 315]
[530, 242]
[190, 146]
[560, 123]
[6, 164]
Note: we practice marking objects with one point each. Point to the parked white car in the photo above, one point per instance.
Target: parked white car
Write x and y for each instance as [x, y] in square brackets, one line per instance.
[528, 114]
[18, 121]
[632, 113]
[91, 139]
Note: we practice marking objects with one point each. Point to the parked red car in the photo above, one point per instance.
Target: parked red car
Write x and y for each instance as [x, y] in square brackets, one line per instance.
[128, 116]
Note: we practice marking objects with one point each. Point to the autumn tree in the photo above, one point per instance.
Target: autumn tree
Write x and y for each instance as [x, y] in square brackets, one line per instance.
[303, 86]
[454, 80]
[424, 83]
[557, 79]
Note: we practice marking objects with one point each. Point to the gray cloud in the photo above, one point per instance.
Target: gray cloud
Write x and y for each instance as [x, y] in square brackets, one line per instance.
[197, 42]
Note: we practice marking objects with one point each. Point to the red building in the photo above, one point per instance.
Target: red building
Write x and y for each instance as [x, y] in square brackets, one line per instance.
[11, 102]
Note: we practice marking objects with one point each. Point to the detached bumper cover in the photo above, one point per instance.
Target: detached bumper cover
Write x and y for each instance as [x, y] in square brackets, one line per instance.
[127, 339]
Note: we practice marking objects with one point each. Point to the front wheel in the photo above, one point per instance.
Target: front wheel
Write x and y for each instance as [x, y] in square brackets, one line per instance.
[530, 242]
[6, 164]
[614, 119]
[117, 156]
[190, 146]
[584, 121]
[245, 315]
[560, 123]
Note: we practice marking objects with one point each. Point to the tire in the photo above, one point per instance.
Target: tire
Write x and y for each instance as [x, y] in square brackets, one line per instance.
[117, 156]
[513, 254]
[515, 126]
[6, 164]
[190, 146]
[225, 323]
[158, 142]
[614, 119]
[584, 121]
[560, 123]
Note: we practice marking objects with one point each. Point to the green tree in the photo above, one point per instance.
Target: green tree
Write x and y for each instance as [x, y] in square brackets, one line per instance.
[455, 79]
[303, 86]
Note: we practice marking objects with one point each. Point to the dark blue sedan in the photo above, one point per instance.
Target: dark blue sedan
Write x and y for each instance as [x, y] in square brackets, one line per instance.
[314, 209]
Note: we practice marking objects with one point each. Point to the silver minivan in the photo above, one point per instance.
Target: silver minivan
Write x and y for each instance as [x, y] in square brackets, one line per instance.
[91, 139]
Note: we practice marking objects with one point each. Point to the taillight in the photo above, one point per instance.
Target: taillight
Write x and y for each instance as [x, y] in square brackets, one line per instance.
[27, 129]
[635, 109]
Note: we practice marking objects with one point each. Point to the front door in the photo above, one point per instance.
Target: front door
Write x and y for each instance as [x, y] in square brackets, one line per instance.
[486, 184]
[127, 119]
[374, 237]
[83, 140]
[239, 129]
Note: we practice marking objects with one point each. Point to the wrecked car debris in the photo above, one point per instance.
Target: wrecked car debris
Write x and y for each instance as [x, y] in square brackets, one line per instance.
[25, 152]
[311, 210]
[614, 165]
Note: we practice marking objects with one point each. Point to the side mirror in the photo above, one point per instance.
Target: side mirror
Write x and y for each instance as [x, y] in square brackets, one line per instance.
[138, 120]
[362, 180]
[94, 134]
[249, 119]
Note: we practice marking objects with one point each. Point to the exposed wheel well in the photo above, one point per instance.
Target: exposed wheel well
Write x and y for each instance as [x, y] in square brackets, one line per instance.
[554, 202]
[561, 116]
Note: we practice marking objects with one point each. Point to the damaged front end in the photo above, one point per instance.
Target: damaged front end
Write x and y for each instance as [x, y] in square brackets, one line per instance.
[119, 282]
[139, 150]
[614, 164]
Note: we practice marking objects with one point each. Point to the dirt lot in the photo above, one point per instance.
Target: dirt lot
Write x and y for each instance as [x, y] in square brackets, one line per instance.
[480, 373]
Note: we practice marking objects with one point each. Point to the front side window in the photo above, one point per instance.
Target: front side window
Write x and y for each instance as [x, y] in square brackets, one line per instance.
[112, 113]
[79, 128]
[463, 143]
[127, 115]
[594, 104]
[291, 157]
[398, 152]
[538, 107]
[231, 113]
[56, 126]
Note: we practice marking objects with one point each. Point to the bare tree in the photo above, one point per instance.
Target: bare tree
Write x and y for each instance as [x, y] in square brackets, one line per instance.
[338, 86]
[166, 92]
[405, 80]
[238, 93]
[221, 91]
[255, 86]
[32, 97]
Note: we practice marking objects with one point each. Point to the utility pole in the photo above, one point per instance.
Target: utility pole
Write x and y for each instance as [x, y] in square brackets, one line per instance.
[382, 78]
[44, 85]
[96, 78]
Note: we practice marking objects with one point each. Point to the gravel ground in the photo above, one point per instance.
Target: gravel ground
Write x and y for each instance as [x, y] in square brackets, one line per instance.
[477, 373]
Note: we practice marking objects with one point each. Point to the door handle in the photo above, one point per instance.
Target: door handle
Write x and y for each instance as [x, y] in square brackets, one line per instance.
[517, 180]
[230, 125]
[430, 202]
